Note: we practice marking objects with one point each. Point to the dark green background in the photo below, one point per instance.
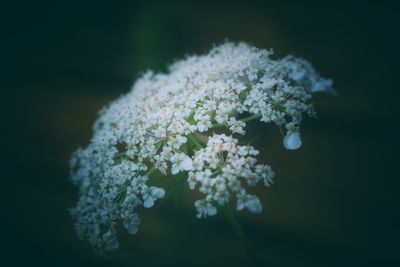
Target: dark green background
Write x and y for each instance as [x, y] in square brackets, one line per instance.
[334, 201]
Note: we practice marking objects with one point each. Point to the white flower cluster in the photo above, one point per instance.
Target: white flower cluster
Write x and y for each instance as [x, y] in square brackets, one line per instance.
[219, 167]
[165, 125]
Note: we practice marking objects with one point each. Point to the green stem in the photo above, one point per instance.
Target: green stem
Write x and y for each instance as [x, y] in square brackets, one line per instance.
[246, 119]
[195, 141]
[151, 171]
[252, 117]
[238, 231]
[179, 190]
[218, 125]
[201, 138]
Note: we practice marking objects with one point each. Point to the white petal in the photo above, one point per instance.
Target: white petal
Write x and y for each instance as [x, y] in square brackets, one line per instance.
[187, 164]
[297, 75]
[292, 140]
[131, 228]
[182, 139]
[163, 170]
[200, 127]
[211, 210]
[157, 192]
[148, 202]
[322, 85]
[253, 204]
[135, 219]
[192, 184]
[239, 204]
[174, 169]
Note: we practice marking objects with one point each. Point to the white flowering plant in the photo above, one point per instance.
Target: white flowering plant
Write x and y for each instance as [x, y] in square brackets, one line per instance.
[189, 122]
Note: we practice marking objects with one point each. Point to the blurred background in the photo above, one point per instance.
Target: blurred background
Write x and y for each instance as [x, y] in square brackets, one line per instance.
[334, 201]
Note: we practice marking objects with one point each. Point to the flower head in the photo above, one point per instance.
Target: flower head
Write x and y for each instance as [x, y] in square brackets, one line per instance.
[188, 122]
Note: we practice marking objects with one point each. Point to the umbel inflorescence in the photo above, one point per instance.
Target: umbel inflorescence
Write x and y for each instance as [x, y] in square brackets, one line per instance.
[188, 122]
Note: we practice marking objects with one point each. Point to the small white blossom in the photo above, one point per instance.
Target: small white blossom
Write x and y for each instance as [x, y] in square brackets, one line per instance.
[151, 195]
[132, 223]
[236, 126]
[253, 204]
[181, 162]
[204, 209]
[292, 140]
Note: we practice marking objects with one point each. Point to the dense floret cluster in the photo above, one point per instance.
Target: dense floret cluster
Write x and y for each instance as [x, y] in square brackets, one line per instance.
[219, 169]
[166, 125]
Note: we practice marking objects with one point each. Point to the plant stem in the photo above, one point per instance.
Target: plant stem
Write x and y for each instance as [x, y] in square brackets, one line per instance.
[238, 231]
[180, 185]
[250, 118]
[150, 171]
[201, 138]
[195, 141]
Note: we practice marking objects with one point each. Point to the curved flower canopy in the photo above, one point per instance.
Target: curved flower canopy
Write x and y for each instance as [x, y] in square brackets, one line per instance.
[167, 125]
